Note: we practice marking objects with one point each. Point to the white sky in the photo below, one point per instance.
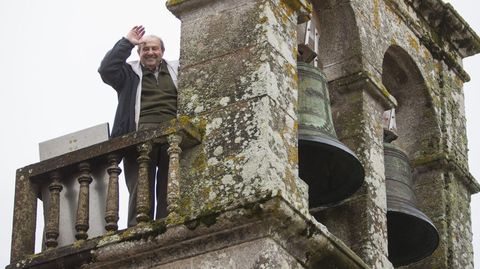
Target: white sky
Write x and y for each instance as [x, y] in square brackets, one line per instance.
[50, 53]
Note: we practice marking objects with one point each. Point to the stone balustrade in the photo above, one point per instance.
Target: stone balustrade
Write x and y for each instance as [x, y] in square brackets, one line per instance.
[47, 179]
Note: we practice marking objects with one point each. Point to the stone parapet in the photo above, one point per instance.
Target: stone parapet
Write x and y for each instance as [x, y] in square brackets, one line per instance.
[47, 179]
[269, 234]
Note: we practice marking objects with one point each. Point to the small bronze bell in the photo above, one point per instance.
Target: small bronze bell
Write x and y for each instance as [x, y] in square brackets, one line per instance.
[411, 234]
[331, 170]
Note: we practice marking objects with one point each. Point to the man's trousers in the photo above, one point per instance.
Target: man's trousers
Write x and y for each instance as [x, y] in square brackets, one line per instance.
[158, 180]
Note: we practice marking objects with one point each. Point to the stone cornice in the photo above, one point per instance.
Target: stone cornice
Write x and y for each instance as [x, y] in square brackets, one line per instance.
[445, 25]
[446, 21]
[446, 162]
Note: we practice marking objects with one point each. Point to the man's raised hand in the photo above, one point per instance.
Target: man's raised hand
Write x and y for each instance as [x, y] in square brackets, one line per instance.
[135, 34]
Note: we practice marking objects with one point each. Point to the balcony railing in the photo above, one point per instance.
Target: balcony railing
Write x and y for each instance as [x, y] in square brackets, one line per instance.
[47, 179]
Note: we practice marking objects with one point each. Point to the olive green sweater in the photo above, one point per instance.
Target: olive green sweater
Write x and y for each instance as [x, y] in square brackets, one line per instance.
[159, 96]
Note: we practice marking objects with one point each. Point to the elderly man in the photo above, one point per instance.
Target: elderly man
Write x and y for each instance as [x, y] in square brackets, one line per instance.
[147, 96]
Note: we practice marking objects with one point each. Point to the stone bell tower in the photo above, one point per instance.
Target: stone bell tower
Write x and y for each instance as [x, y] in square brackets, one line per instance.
[235, 197]
[401, 54]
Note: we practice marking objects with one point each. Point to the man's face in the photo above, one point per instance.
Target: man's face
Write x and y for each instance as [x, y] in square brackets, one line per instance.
[150, 53]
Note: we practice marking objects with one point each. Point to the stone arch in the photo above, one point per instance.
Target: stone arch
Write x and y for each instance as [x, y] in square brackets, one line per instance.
[417, 128]
[339, 50]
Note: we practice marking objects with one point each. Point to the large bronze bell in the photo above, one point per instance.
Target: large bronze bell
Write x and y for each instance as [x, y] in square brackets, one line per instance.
[411, 234]
[331, 170]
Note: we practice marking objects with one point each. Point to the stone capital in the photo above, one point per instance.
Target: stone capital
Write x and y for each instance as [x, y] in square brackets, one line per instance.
[365, 81]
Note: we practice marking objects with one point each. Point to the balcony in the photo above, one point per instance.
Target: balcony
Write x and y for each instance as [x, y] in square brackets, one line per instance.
[89, 178]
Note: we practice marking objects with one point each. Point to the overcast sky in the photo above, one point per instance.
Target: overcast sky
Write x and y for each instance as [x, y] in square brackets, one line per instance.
[50, 53]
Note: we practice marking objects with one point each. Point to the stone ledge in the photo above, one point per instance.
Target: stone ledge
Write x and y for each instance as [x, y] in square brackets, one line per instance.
[445, 161]
[301, 236]
[364, 80]
[156, 245]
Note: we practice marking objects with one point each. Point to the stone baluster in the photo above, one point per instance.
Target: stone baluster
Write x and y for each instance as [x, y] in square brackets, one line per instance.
[111, 211]
[143, 188]
[84, 179]
[52, 227]
[173, 192]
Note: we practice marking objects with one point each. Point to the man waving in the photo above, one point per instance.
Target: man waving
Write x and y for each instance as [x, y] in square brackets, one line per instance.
[147, 96]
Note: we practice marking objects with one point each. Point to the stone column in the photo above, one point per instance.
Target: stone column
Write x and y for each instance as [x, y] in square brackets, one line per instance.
[238, 81]
[360, 221]
[444, 172]
[24, 216]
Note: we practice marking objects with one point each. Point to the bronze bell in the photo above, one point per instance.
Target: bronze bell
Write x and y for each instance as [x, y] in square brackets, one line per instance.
[331, 170]
[411, 234]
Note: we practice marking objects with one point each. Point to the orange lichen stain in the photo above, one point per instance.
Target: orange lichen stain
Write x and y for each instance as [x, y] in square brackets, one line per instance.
[283, 11]
[426, 54]
[414, 43]
[292, 153]
[295, 51]
[393, 41]
[458, 80]
[376, 14]
[292, 6]
[295, 126]
[296, 5]
[291, 71]
[171, 3]
[438, 67]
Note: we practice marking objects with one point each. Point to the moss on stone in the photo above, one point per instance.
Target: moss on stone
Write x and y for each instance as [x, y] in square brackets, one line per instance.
[171, 3]
[78, 243]
[291, 70]
[296, 5]
[199, 164]
[426, 159]
[192, 224]
[209, 219]
[159, 227]
[263, 19]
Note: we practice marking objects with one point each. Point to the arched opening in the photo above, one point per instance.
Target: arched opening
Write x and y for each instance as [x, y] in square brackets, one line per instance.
[339, 49]
[333, 36]
[412, 235]
[418, 131]
[332, 171]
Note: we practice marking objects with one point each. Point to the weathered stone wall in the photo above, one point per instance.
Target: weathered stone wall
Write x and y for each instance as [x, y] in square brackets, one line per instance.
[459, 224]
[448, 205]
[383, 24]
[261, 253]
[365, 213]
[238, 82]
[432, 130]
[445, 97]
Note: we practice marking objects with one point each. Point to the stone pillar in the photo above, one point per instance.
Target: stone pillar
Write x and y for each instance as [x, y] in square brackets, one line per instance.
[238, 81]
[445, 174]
[360, 221]
[24, 216]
